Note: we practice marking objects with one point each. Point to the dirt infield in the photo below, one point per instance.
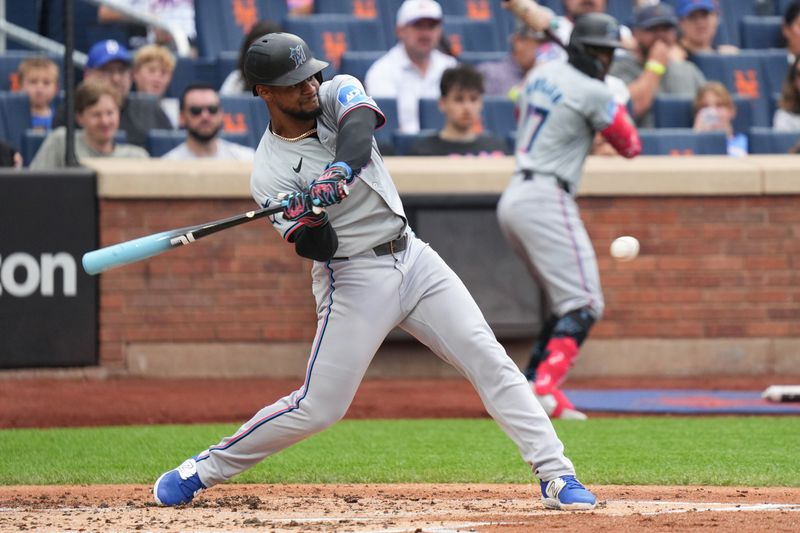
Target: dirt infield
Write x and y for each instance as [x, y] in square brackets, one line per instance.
[58, 402]
[397, 508]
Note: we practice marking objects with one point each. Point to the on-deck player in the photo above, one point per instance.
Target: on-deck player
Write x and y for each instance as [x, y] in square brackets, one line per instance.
[561, 107]
[370, 274]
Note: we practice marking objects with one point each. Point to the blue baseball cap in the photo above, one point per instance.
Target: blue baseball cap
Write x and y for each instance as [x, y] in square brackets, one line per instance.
[106, 51]
[687, 7]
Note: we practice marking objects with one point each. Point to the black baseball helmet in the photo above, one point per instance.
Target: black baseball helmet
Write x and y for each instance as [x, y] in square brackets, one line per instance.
[597, 30]
[280, 59]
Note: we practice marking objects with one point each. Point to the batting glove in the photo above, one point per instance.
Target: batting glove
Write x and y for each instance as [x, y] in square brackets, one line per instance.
[298, 207]
[331, 187]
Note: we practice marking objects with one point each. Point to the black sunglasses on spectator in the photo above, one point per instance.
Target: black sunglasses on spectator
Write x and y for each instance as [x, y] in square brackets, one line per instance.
[196, 110]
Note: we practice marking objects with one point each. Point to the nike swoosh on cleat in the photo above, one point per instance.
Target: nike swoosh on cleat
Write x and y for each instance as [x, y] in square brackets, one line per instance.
[299, 166]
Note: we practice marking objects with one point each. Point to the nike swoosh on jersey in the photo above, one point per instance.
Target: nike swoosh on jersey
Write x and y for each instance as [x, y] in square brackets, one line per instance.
[299, 165]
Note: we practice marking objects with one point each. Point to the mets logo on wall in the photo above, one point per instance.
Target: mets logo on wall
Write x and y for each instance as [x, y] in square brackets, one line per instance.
[298, 55]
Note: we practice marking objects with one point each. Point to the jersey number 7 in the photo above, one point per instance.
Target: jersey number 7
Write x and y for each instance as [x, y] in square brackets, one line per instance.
[531, 124]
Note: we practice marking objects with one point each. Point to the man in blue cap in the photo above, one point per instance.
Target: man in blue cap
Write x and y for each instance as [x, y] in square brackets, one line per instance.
[111, 61]
[654, 66]
[699, 22]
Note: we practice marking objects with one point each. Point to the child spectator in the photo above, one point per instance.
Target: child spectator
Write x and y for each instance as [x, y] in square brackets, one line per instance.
[97, 105]
[461, 103]
[153, 66]
[38, 77]
[714, 110]
[787, 116]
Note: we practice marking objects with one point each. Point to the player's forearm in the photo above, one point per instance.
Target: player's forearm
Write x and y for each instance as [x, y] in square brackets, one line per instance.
[318, 243]
[354, 142]
[643, 92]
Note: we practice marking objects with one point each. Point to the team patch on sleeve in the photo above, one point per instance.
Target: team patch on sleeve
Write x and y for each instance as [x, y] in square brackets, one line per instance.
[351, 94]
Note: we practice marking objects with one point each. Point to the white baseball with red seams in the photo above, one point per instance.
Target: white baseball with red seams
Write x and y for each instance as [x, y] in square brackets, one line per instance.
[624, 248]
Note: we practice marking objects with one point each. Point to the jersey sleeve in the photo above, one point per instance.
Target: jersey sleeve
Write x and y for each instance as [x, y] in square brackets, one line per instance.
[600, 106]
[266, 185]
[345, 93]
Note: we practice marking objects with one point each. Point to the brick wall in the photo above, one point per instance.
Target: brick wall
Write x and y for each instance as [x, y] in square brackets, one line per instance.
[710, 267]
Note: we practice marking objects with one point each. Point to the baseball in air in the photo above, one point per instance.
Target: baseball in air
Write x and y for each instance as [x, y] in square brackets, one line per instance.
[625, 248]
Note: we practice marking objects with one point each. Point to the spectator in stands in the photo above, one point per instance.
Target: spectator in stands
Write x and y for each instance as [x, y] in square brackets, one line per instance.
[413, 67]
[180, 13]
[110, 61]
[97, 112]
[791, 29]
[153, 66]
[201, 116]
[300, 7]
[236, 84]
[575, 8]
[505, 77]
[652, 68]
[38, 77]
[9, 156]
[787, 116]
[699, 21]
[714, 110]
[461, 103]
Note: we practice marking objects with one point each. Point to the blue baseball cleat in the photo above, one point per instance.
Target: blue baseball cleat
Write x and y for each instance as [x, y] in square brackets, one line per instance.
[567, 494]
[178, 486]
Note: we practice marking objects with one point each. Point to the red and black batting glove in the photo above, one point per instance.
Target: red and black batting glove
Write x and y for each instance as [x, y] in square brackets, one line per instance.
[298, 207]
[331, 187]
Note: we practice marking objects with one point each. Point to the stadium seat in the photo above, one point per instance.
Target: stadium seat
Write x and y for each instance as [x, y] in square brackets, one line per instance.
[357, 63]
[769, 141]
[678, 112]
[761, 32]
[331, 35]
[473, 58]
[404, 141]
[620, 10]
[465, 34]
[31, 141]
[499, 115]
[751, 73]
[388, 16]
[26, 14]
[16, 115]
[682, 141]
[430, 118]
[189, 70]
[85, 16]
[221, 24]
[159, 142]
[362, 9]
[389, 108]
[670, 111]
[244, 115]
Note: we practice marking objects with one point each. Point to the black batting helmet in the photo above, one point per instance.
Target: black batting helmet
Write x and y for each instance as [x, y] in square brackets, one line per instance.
[280, 59]
[593, 30]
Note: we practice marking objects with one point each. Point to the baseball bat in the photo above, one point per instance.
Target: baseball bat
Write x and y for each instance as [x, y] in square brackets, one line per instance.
[127, 252]
[535, 16]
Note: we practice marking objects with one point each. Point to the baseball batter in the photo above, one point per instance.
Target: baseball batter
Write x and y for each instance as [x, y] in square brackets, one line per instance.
[370, 274]
[561, 107]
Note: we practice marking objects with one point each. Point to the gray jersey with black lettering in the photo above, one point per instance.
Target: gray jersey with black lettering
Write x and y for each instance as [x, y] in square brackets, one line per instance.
[560, 109]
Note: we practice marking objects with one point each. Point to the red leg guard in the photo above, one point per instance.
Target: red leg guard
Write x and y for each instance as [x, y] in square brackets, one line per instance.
[562, 402]
[561, 354]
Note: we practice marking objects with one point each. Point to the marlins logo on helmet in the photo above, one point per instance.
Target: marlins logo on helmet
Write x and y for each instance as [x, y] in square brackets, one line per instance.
[298, 55]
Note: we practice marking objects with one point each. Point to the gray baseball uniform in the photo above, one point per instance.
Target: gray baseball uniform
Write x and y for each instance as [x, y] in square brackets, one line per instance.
[560, 111]
[362, 294]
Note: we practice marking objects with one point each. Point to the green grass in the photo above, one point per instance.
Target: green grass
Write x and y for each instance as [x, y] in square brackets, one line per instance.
[748, 451]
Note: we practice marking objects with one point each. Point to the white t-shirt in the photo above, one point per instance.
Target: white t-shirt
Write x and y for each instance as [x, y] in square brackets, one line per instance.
[225, 150]
[394, 76]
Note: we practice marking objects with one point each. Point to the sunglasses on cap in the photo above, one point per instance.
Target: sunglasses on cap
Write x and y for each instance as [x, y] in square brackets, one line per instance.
[197, 110]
